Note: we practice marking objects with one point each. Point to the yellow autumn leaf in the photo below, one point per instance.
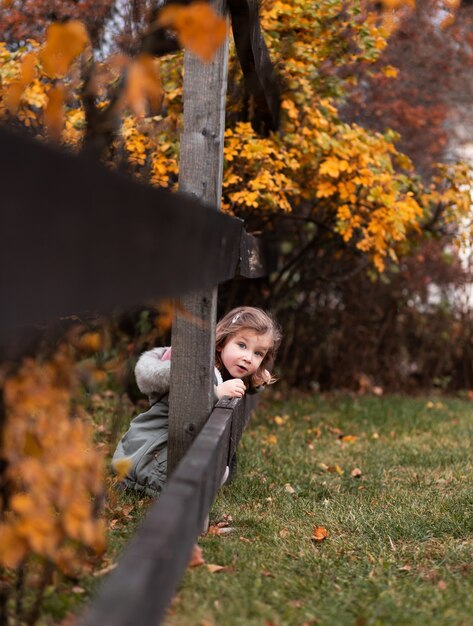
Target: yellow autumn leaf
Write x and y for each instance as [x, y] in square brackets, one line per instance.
[64, 42]
[271, 440]
[331, 167]
[325, 189]
[389, 71]
[122, 467]
[199, 29]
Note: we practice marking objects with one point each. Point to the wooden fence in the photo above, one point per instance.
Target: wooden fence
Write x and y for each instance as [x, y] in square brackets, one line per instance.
[77, 237]
[149, 572]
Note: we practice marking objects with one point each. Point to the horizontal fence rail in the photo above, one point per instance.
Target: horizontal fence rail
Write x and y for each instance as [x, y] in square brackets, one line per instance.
[141, 588]
[77, 237]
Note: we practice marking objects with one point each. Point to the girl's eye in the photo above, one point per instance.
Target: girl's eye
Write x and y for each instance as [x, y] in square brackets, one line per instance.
[241, 345]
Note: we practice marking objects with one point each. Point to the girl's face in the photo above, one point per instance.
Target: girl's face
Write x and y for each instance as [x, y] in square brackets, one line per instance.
[244, 352]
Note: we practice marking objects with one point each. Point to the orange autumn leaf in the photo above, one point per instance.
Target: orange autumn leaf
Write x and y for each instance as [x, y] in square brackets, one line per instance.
[16, 89]
[143, 85]
[349, 438]
[28, 68]
[197, 558]
[56, 474]
[54, 112]
[64, 42]
[319, 534]
[199, 29]
[90, 342]
[13, 548]
[13, 96]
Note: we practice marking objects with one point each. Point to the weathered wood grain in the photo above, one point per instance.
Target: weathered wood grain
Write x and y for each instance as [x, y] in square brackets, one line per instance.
[200, 174]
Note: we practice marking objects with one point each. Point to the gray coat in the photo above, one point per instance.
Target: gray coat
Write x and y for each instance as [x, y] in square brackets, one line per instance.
[145, 442]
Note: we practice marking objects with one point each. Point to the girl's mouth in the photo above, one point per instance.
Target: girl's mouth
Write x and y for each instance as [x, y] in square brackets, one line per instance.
[241, 368]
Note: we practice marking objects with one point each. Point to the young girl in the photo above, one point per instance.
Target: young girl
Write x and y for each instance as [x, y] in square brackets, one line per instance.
[245, 347]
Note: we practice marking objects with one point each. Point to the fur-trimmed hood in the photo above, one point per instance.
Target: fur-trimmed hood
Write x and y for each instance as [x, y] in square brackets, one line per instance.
[153, 376]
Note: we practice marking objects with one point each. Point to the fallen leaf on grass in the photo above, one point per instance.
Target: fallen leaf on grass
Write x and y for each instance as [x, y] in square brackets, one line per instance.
[284, 533]
[280, 421]
[349, 438]
[289, 489]
[245, 540]
[319, 534]
[356, 472]
[336, 431]
[267, 574]
[105, 570]
[333, 469]
[197, 557]
[405, 568]
[213, 569]
[296, 603]
[127, 510]
[442, 585]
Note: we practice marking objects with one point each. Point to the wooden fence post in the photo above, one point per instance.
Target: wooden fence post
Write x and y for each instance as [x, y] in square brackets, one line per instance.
[200, 174]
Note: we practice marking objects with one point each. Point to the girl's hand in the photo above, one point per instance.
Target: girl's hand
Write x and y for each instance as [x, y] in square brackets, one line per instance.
[233, 388]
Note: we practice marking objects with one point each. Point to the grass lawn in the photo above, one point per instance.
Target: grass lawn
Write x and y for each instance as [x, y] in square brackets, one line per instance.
[400, 544]
[399, 549]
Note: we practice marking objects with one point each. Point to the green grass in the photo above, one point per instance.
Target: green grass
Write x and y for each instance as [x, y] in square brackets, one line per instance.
[400, 544]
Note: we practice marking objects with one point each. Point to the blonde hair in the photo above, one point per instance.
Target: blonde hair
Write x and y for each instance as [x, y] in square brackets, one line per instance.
[248, 317]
